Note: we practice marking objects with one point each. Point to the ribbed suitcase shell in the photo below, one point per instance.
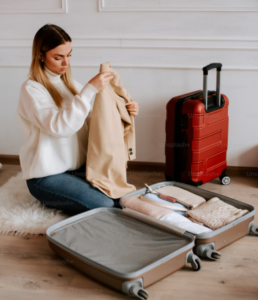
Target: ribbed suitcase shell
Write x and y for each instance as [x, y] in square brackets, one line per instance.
[196, 141]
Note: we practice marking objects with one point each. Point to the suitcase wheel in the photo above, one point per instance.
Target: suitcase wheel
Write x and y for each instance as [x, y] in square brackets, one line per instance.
[194, 260]
[134, 288]
[212, 254]
[224, 179]
[208, 251]
[197, 265]
[253, 229]
[138, 292]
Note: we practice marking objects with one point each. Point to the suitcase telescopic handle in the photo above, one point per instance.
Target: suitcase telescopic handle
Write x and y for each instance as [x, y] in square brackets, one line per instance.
[217, 66]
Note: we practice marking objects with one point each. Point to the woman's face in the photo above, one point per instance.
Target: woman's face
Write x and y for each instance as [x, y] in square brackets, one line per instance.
[58, 59]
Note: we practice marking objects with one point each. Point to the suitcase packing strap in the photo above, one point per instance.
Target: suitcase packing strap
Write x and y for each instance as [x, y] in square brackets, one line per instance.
[161, 196]
[167, 198]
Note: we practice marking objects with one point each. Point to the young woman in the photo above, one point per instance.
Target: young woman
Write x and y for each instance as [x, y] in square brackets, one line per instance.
[54, 111]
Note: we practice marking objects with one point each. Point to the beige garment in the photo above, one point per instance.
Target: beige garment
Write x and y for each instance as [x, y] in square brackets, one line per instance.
[215, 213]
[111, 141]
[183, 196]
[134, 202]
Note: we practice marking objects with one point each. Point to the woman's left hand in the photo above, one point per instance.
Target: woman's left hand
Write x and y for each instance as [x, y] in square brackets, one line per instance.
[132, 107]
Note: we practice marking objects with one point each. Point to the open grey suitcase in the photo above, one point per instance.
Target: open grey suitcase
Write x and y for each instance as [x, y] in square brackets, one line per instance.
[122, 248]
[208, 244]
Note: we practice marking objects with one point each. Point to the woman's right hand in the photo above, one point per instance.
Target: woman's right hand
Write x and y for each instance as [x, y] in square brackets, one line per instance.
[101, 80]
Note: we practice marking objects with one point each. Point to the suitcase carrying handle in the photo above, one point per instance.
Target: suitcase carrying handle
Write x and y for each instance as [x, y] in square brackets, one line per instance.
[217, 66]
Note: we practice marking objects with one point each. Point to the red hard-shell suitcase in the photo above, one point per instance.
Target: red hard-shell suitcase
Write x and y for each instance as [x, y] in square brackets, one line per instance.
[197, 135]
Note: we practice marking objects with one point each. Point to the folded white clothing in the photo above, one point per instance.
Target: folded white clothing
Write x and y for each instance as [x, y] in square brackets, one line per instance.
[184, 223]
[157, 199]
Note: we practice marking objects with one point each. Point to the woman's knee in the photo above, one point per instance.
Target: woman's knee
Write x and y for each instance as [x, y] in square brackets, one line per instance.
[54, 200]
[79, 196]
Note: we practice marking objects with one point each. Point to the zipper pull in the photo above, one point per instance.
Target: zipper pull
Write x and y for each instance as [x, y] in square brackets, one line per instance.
[168, 198]
[189, 206]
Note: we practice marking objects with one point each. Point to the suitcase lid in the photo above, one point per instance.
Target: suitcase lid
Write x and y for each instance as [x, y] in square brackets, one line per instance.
[116, 242]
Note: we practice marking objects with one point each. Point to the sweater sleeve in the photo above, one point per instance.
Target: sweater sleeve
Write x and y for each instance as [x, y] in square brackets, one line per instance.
[43, 113]
[80, 86]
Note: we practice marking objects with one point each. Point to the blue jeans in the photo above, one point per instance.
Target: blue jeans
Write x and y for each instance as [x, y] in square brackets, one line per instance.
[70, 192]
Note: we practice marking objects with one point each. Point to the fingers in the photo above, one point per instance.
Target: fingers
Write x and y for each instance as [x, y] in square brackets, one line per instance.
[133, 113]
[106, 75]
[132, 107]
[133, 110]
[109, 77]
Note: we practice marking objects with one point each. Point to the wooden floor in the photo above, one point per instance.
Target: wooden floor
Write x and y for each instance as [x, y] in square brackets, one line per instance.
[30, 270]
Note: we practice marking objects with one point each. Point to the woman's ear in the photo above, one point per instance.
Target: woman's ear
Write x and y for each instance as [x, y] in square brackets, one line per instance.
[41, 56]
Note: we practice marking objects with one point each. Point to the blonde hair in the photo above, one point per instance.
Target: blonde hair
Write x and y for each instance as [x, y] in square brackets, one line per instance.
[47, 38]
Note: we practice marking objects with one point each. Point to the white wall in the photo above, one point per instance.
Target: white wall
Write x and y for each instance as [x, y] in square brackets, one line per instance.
[157, 46]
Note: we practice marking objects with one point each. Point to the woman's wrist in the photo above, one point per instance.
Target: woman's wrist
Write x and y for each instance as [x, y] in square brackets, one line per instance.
[96, 90]
[88, 91]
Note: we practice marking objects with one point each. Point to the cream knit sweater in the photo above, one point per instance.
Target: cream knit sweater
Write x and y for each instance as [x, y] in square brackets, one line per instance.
[55, 140]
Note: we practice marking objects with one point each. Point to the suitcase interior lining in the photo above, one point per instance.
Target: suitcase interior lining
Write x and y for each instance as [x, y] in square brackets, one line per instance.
[118, 242]
[205, 194]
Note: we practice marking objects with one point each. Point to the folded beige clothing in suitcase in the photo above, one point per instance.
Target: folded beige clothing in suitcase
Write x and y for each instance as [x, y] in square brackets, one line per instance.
[207, 244]
[184, 197]
[165, 214]
[136, 204]
[215, 213]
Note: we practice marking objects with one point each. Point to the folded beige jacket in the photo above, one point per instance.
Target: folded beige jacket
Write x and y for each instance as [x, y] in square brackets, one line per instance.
[111, 140]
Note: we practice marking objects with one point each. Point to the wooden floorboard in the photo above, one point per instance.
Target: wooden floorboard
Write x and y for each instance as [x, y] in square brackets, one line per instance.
[29, 269]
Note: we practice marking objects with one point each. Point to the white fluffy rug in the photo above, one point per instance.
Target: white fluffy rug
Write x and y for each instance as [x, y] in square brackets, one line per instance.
[21, 213]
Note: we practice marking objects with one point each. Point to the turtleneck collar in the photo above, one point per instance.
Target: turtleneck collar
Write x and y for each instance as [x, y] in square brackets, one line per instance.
[55, 78]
